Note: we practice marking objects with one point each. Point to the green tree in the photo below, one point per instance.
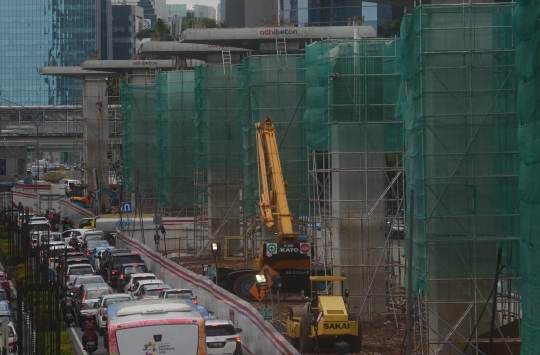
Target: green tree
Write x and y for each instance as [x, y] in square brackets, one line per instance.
[201, 23]
[161, 31]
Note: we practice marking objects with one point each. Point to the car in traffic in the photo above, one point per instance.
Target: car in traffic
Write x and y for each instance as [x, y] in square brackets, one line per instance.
[13, 339]
[126, 270]
[107, 255]
[116, 261]
[130, 285]
[89, 246]
[87, 296]
[4, 283]
[54, 255]
[74, 271]
[179, 293]
[102, 305]
[85, 280]
[133, 291]
[5, 311]
[4, 296]
[223, 338]
[151, 292]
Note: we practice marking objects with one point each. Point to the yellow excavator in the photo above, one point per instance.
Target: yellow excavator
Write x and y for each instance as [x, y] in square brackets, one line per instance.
[290, 255]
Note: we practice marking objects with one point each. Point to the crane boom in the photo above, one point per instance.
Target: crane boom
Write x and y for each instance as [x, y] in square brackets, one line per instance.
[270, 169]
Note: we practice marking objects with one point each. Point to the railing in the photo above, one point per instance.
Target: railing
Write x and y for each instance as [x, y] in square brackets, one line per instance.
[51, 128]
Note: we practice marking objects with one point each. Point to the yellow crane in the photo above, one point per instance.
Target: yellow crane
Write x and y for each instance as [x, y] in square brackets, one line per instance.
[288, 256]
[270, 168]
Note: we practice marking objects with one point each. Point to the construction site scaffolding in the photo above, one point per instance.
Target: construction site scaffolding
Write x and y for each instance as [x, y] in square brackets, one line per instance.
[140, 145]
[175, 95]
[355, 169]
[458, 106]
[274, 87]
[217, 154]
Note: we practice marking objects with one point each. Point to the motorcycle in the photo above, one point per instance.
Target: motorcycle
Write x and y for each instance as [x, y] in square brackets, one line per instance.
[69, 317]
[91, 344]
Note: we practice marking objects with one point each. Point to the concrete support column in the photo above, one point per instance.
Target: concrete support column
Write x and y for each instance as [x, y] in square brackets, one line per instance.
[95, 132]
[358, 233]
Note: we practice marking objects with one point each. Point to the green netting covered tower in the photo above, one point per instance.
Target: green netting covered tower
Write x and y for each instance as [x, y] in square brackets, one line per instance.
[355, 164]
[458, 104]
[175, 95]
[274, 87]
[139, 143]
[218, 151]
[527, 65]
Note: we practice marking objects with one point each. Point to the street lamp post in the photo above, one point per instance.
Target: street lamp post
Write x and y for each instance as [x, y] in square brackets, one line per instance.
[215, 251]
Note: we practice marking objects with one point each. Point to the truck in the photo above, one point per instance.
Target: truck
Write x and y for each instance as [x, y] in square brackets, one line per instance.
[290, 255]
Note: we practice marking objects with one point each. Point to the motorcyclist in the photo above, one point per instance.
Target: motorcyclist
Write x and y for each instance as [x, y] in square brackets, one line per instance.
[66, 302]
[67, 223]
[74, 243]
[89, 330]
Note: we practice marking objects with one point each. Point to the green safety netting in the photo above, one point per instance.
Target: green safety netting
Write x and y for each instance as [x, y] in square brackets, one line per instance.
[527, 63]
[218, 146]
[175, 96]
[457, 103]
[139, 138]
[274, 87]
[352, 83]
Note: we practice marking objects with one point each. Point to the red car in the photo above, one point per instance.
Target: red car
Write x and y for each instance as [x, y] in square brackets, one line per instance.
[5, 283]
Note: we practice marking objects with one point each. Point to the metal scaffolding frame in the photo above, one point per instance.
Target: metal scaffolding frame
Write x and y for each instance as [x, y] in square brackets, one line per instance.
[458, 107]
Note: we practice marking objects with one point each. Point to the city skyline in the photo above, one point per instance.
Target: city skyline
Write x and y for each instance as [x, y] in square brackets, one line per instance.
[190, 3]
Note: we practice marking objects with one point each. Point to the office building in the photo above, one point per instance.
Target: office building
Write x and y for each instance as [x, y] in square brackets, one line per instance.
[153, 9]
[37, 33]
[127, 21]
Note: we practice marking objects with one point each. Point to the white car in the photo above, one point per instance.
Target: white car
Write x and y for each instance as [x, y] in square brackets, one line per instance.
[77, 232]
[102, 305]
[135, 291]
[222, 337]
[133, 278]
[12, 339]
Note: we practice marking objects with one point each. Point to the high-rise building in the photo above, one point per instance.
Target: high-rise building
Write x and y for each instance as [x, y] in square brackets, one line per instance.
[199, 11]
[37, 33]
[255, 13]
[203, 11]
[127, 21]
[178, 10]
[339, 13]
[153, 9]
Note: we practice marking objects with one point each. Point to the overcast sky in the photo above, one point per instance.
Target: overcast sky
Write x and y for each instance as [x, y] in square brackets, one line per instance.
[190, 3]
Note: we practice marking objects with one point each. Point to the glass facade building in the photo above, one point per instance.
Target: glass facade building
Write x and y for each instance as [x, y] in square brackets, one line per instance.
[38, 33]
[338, 13]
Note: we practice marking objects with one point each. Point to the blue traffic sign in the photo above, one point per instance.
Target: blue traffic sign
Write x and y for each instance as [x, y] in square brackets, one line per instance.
[27, 181]
[126, 207]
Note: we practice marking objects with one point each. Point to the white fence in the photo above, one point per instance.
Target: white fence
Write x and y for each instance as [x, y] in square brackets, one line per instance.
[258, 337]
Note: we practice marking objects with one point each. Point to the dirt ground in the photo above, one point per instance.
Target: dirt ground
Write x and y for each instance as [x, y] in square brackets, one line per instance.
[378, 338]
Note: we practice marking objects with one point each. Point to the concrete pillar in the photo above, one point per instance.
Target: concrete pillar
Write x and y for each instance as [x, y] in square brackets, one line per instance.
[95, 132]
[358, 236]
